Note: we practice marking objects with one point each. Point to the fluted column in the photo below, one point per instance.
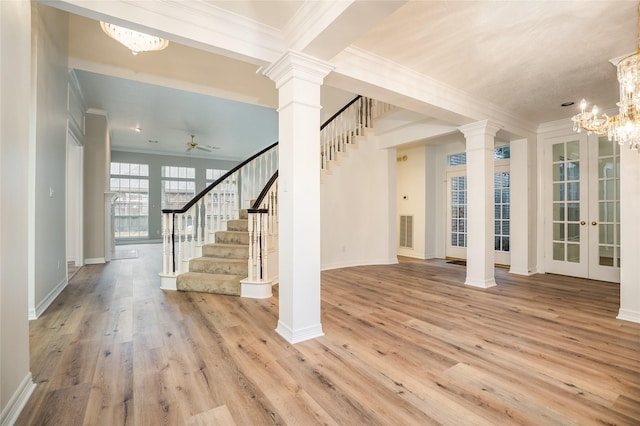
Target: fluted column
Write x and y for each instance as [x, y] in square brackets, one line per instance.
[480, 216]
[298, 79]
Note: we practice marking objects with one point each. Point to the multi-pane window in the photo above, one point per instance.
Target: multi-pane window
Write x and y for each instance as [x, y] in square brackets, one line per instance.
[131, 209]
[502, 210]
[178, 186]
[459, 211]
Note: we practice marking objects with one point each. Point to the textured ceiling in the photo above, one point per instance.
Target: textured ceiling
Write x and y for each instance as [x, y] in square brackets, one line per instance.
[526, 56]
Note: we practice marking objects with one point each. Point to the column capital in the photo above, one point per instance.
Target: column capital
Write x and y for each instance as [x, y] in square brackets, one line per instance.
[480, 128]
[294, 64]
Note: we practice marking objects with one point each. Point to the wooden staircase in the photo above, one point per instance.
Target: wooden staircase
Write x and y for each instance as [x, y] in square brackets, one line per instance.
[223, 263]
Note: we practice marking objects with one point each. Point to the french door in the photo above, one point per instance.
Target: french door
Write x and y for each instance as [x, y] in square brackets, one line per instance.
[582, 208]
[456, 244]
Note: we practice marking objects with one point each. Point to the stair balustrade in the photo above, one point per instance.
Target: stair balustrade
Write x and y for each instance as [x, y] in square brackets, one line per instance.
[186, 230]
[344, 126]
[256, 179]
[263, 243]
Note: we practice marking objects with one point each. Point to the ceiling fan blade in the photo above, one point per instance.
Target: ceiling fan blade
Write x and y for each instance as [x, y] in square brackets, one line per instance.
[189, 149]
[203, 149]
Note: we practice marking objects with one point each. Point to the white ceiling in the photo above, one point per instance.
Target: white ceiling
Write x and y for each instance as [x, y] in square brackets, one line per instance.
[469, 60]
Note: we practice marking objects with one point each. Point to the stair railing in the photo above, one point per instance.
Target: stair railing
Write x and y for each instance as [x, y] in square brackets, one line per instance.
[186, 230]
[263, 234]
[345, 125]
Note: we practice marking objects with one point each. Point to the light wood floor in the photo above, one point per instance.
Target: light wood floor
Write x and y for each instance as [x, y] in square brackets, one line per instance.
[405, 345]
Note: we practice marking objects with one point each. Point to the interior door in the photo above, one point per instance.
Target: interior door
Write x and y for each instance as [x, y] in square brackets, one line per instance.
[582, 208]
[604, 211]
[456, 244]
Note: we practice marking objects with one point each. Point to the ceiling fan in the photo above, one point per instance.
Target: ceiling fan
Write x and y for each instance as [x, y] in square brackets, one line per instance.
[192, 144]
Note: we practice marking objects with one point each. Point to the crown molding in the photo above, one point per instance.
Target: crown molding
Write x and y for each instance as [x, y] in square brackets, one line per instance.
[311, 19]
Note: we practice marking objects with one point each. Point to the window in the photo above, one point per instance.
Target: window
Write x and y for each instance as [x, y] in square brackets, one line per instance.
[131, 209]
[502, 213]
[214, 174]
[457, 159]
[180, 188]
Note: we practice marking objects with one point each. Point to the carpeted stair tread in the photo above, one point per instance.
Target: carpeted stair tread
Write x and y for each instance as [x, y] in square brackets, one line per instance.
[210, 283]
[232, 237]
[218, 265]
[238, 225]
[228, 251]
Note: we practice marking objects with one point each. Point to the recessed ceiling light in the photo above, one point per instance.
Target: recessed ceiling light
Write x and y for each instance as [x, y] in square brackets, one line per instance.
[138, 129]
[566, 104]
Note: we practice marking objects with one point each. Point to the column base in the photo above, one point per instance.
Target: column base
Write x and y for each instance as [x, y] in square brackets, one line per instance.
[480, 283]
[168, 282]
[297, 336]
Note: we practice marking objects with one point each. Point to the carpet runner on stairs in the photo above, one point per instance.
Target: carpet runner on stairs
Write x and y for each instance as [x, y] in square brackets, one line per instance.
[223, 264]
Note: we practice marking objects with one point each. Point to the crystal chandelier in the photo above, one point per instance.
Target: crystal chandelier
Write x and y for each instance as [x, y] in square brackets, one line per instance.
[136, 41]
[624, 127]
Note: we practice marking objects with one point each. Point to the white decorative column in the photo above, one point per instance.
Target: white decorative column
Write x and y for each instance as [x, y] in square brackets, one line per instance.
[480, 216]
[629, 235]
[523, 206]
[298, 79]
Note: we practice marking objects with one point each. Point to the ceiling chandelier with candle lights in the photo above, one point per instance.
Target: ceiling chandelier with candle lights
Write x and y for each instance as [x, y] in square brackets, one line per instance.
[625, 126]
[136, 41]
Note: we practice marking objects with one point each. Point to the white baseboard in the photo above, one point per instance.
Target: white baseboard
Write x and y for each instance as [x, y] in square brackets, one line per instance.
[94, 261]
[364, 262]
[17, 402]
[629, 315]
[525, 272]
[300, 335]
[34, 313]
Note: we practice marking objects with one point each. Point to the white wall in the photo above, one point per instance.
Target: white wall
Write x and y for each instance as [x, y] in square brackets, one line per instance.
[48, 235]
[155, 163]
[15, 378]
[411, 197]
[96, 183]
[357, 206]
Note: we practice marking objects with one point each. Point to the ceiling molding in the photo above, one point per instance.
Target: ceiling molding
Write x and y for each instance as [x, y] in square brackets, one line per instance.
[365, 66]
[311, 19]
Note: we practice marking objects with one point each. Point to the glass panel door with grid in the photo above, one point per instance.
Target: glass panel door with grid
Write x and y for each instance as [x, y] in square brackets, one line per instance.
[604, 215]
[456, 245]
[581, 208]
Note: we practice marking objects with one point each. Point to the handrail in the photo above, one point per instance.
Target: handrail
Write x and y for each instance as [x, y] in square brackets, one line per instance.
[218, 181]
[255, 208]
[343, 109]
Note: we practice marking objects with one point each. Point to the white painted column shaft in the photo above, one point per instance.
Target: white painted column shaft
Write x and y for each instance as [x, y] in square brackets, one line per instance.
[480, 215]
[523, 206]
[298, 78]
[629, 235]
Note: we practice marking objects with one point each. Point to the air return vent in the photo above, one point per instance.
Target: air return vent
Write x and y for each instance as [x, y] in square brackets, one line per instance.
[406, 231]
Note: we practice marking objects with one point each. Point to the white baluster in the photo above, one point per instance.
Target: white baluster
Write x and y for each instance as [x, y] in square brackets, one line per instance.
[250, 260]
[264, 247]
[181, 228]
[166, 236]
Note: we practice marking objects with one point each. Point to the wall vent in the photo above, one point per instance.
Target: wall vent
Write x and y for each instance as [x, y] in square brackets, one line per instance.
[406, 231]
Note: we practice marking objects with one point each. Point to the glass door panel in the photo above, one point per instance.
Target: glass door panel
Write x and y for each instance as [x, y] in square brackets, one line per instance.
[566, 230]
[604, 218]
[457, 215]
